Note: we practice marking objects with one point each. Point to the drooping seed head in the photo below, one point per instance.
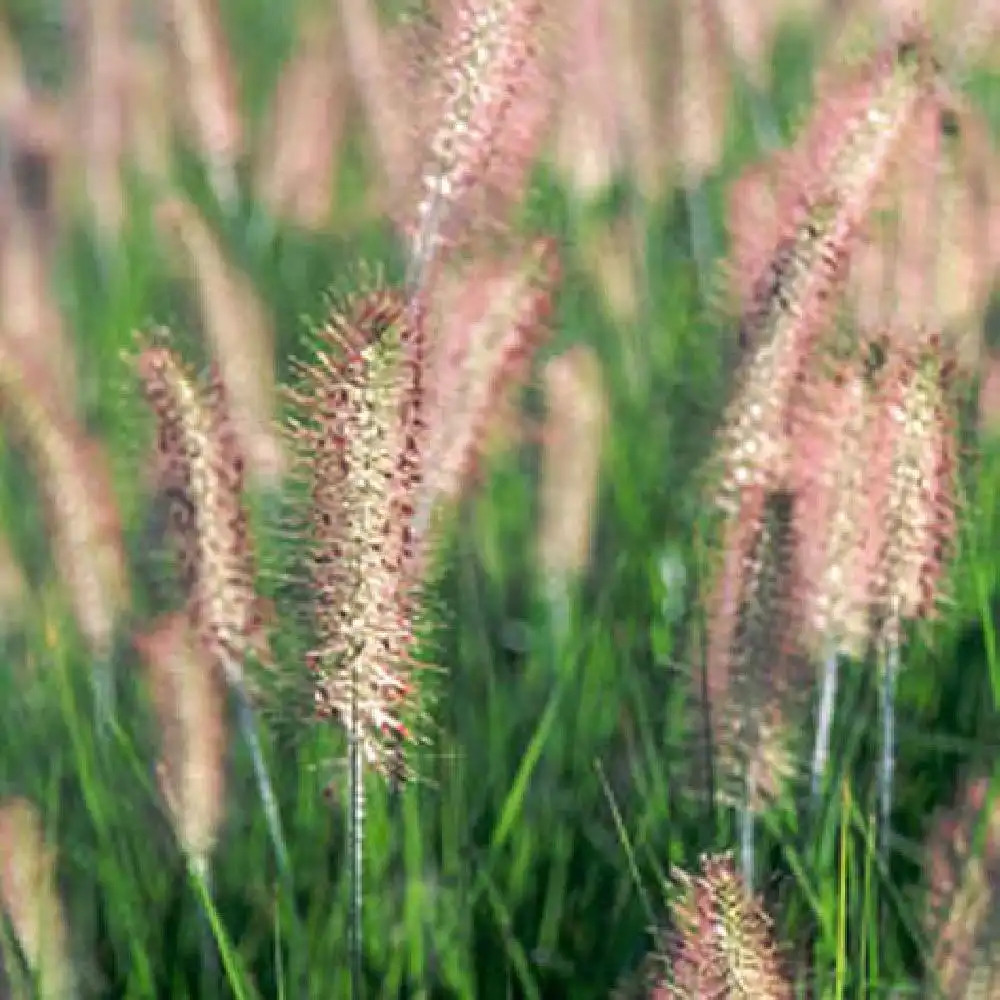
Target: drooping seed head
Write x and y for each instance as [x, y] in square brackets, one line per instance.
[202, 477]
[722, 942]
[359, 437]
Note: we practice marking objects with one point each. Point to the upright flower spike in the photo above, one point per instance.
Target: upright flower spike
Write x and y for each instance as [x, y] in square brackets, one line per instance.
[202, 471]
[359, 438]
[837, 534]
[829, 182]
[915, 484]
[756, 678]
[485, 112]
[722, 944]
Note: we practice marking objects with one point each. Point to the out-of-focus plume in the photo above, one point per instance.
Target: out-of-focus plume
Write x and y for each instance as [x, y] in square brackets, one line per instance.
[207, 88]
[389, 105]
[13, 587]
[359, 436]
[150, 122]
[30, 896]
[239, 333]
[931, 259]
[721, 945]
[75, 482]
[189, 697]
[637, 32]
[589, 134]
[700, 89]
[490, 320]
[758, 675]
[963, 917]
[103, 118]
[13, 87]
[30, 136]
[298, 156]
[202, 476]
[989, 395]
[572, 442]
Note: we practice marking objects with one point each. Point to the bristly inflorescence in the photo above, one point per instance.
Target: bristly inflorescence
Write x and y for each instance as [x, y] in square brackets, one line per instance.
[916, 480]
[863, 451]
[721, 946]
[359, 439]
[487, 106]
[202, 473]
[756, 664]
[829, 183]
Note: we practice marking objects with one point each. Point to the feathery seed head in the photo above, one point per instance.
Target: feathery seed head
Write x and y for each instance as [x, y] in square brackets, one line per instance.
[913, 478]
[837, 535]
[489, 104]
[359, 439]
[756, 668]
[829, 182]
[722, 945]
[202, 477]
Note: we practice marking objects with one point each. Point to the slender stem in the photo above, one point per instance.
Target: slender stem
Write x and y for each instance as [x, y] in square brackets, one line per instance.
[747, 835]
[105, 699]
[357, 873]
[701, 234]
[248, 730]
[890, 668]
[824, 722]
[202, 868]
[356, 845]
